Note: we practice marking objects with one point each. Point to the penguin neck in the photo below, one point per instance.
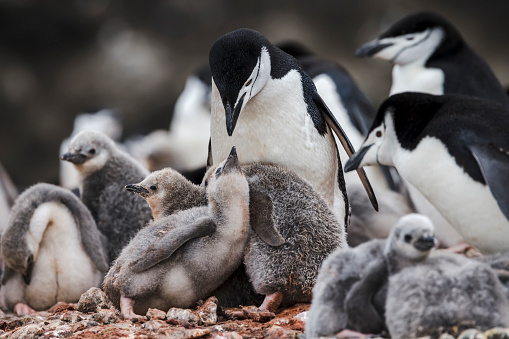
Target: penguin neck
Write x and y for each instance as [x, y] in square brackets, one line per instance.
[229, 207]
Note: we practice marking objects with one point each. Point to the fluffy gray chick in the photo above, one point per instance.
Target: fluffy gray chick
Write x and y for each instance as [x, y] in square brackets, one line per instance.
[52, 249]
[287, 273]
[105, 170]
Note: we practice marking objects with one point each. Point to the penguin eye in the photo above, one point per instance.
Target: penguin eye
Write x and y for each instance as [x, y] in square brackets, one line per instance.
[249, 82]
[378, 134]
[206, 183]
[91, 151]
[408, 238]
[410, 37]
[218, 171]
[153, 188]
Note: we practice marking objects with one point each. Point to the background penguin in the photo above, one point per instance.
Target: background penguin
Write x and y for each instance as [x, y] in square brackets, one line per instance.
[52, 249]
[309, 230]
[8, 194]
[355, 114]
[106, 121]
[454, 150]
[177, 260]
[250, 78]
[440, 290]
[430, 56]
[338, 272]
[105, 170]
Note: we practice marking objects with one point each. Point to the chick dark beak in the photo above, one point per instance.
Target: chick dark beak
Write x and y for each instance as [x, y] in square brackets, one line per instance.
[75, 158]
[425, 243]
[371, 48]
[233, 116]
[27, 276]
[232, 163]
[137, 189]
[356, 159]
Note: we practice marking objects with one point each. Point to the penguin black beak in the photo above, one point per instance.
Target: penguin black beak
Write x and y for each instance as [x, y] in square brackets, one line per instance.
[75, 158]
[137, 189]
[424, 244]
[371, 48]
[232, 163]
[355, 161]
[27, 276]
[232, 117]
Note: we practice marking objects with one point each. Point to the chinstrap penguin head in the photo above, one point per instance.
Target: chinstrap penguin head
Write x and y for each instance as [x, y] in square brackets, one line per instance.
[89, 151]
[412, 238]
[240, 63]
[414, 38]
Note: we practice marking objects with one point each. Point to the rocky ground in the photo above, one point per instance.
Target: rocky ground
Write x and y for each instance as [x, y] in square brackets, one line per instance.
[94, 317]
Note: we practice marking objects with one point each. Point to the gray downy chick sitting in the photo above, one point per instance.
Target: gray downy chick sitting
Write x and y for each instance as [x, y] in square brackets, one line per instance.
[52, 249]
[177, 260]
[426, 292]
[105, 170]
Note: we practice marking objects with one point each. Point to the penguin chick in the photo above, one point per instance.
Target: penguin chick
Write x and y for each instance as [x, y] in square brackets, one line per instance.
[167, 191]
[52, 249]
[284, 269]
[440, 290]
[177, 260]
[105, 170]
[268, 107]
[338, 272]
[454, 150]
[430, 56]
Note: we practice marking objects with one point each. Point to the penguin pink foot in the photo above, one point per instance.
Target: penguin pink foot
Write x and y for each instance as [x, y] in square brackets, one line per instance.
[23, 309]
[271, 302]
[352, 334]
[126, 309]
[463, 248]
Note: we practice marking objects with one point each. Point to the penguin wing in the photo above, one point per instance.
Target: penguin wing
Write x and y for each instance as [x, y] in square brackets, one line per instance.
[167, 244]
[260, 218]
[347, 145]
[494, 162]
[362, 313]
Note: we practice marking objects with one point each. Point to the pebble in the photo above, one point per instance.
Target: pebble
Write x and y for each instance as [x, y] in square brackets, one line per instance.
[93, 300]
[156, 314]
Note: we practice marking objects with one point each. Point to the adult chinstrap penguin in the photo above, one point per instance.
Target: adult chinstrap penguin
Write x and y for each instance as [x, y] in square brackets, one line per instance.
[261, 99]
[454, 150]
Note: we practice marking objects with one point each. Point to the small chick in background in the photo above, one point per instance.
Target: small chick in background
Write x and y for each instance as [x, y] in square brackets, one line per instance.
[52, 249]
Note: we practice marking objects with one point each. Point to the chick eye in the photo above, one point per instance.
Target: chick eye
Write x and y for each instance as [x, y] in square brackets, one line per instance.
[153, 188]
[410, 38]
[378, 134]
[218, 170]
[206, 183]
[249, 82]
[408, 238]
[91, 151]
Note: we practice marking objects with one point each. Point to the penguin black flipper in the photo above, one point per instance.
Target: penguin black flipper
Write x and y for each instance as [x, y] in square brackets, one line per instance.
[334, 125]
[493, 162]
[261, 220]
[363, 313]
[170, 242]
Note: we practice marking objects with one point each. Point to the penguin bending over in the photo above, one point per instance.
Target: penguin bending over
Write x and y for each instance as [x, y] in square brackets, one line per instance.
[105, 170]
[454, 149]
[268, 107]
[430, 56]
[284, 268]
[177, 260]
[52, 250]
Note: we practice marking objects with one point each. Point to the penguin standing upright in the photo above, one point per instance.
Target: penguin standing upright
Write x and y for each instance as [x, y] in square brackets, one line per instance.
[268, 107]
[430, 56]
[454, 149]
[105, 170]
[52, 249]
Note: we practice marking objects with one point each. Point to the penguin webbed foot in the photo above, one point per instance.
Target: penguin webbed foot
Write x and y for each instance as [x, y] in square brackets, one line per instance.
[346, 333]
[463, 248]
[272, 302]
[126, 309]
[23, 309]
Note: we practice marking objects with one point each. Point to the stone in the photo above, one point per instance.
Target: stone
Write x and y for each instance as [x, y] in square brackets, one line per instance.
[208, 312]
[279, 332]
[182, 315]
[497, 333]
[471, 333]
[156, 314]
[154, 324]
[93, 300]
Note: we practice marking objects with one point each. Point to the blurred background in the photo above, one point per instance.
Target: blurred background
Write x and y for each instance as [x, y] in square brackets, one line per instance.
[60, 58]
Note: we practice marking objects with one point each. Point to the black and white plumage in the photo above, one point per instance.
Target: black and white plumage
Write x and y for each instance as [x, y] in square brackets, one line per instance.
[309, 229]
[430, 56]
[8, 194]
[52, 249]
[338, 273]
[265, 105]
[454, 150]
[177, 260]
[105, 170]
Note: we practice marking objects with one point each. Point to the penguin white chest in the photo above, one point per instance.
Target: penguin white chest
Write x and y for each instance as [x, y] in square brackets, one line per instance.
[415, 77]
[468, 205]
[274, 127]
